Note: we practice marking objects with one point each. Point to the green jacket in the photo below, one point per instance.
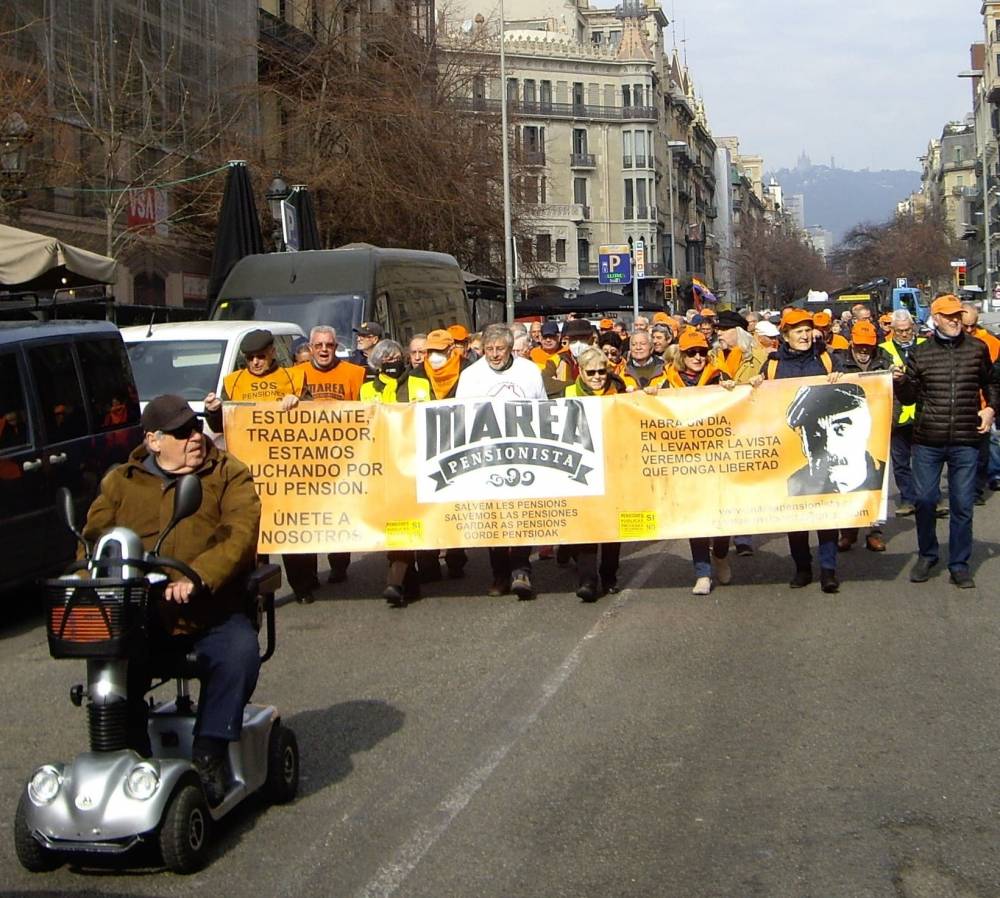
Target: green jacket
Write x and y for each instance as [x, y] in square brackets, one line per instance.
[219, 541]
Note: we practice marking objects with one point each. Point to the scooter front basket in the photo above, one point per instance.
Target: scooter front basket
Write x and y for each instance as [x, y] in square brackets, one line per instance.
[98, 618]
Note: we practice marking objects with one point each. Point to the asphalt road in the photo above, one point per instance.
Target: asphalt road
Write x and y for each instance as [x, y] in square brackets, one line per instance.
[756, 742]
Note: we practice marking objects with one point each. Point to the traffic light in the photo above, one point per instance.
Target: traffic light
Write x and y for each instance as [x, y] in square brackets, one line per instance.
[670, 289]
[960, 274]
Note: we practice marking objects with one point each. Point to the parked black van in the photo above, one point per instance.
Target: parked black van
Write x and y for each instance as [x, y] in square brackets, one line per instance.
[406, 291]
[69, 411]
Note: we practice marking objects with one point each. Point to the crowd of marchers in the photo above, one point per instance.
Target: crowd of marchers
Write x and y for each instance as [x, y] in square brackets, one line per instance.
[945, 383]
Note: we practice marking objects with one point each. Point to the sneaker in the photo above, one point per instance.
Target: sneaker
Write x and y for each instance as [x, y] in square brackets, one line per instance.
[904, 509]
[702, 586]
[922, 570]
[744, 550]
[213, 775]
[963, 580]
[828, 580]
[393, 594]
[875, 542]
[588, 591]
[723, 571]
[521, 586]
[803, 577]
[500, 587]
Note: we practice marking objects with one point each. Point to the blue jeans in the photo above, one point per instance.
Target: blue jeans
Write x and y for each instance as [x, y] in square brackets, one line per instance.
[798, 545]
[993, 470]
[702, 548]
[900, 451]
[928, 463]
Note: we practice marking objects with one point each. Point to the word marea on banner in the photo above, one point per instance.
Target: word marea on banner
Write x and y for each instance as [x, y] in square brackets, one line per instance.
[707, 446]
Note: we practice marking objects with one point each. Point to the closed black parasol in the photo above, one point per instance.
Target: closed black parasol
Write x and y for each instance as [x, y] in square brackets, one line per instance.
[238, 233]
[302, 200]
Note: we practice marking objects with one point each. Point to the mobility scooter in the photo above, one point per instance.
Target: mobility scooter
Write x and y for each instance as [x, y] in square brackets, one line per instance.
[111, 799]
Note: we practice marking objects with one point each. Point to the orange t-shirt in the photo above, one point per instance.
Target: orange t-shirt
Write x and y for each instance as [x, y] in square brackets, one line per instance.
[342, 381]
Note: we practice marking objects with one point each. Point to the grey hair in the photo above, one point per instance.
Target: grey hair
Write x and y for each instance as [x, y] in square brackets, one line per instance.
[322, 329]
[418, 337]
[592, 354]
[902, 316]
[518, 329]
[494, 333]
[383, 349]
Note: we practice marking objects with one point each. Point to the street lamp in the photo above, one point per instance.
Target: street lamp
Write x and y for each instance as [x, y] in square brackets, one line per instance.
[277, 191]
[508, 262]
[671, 146]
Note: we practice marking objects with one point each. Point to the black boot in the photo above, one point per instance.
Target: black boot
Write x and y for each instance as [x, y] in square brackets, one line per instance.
[803, 577]
[828, 580]
[214, 774]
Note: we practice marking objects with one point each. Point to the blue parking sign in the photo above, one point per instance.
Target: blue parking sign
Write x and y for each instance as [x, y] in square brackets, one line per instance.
[614, 264]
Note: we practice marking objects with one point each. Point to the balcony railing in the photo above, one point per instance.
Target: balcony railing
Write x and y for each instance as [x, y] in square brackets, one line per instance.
[640, 161]
[532, 157]
[582, 160]
[544, 109]
[626, 161]
[629, 213]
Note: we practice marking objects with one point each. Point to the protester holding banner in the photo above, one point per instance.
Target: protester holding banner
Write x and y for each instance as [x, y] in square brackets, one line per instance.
[691, 368]
[863, 355]
[823, 330]
[501, 375]
[946, 377]
[799, 356]
[263, 380]
[596, 379]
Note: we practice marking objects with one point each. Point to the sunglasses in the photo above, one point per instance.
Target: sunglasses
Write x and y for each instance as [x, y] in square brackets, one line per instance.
[195, 425]
[250, 356]
[690, 352]
[596, 372]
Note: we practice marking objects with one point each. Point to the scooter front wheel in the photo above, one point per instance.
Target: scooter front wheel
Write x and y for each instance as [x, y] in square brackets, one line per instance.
[186, 830]
[30, 853]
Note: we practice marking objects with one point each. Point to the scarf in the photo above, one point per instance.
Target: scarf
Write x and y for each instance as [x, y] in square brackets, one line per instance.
[445, 378]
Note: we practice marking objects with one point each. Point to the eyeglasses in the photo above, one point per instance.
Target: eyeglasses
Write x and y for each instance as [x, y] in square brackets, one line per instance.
[690, 352]
[324, 345]
[250, 356]
[599, 372]
[195, 425]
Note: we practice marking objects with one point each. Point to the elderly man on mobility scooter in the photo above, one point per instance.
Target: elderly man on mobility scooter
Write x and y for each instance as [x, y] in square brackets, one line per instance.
[139, 615]
[219, 542]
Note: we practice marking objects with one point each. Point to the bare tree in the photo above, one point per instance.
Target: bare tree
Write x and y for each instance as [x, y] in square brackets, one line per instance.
[777, 261]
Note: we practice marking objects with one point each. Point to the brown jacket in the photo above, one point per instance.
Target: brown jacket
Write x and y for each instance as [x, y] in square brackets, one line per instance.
[219, 541]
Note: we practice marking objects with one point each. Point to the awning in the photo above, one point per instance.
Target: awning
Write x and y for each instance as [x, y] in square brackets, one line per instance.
[30, 261]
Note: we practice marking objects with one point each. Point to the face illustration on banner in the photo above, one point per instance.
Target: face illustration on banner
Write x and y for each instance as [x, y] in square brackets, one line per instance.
[491, 449]
[834, 424]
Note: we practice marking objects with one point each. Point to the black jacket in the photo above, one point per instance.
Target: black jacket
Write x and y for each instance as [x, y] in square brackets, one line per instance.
[798, 363]
[946, 378]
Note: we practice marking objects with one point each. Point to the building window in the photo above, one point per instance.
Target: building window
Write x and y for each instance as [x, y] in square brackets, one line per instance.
[512, 90]
[626, 95]
[579, 141]
[525, 249]
[543, 250]
[545, 94]
[640, 149]
[561, 250]
[582, 256]
[578, 94]
[629, 199]
[614, 39]
[597, 38]
[642, 210]
[528, 90]
[958, 154]
[580, 191]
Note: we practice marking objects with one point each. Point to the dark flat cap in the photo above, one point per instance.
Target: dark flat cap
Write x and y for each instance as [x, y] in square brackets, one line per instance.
[578, 327]
[369, 329]
[823, 400]
[256, 341]
[166, 412]
[727, 318]
[550, 329]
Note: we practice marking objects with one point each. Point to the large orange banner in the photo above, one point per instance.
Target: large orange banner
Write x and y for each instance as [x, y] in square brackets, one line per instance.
[792, 454]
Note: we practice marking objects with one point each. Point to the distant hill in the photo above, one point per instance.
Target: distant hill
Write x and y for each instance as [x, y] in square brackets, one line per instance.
[837, 199]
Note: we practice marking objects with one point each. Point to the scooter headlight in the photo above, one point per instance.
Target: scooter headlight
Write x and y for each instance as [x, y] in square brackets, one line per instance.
[142, 782]
[45, 785]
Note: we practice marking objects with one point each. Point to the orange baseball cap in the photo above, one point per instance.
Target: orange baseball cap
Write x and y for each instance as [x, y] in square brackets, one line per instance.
[822, 320]
[458, 332]
[660, 318]
[707, 312]
[438, 340]
[946, 305]
[792, 317]
[863, 333]
[606, 324]
[692, 340]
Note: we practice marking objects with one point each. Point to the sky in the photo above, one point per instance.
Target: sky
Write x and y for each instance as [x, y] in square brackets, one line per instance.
[866, 82]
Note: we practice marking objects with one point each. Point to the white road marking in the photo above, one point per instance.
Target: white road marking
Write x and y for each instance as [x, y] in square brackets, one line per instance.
[394, 873]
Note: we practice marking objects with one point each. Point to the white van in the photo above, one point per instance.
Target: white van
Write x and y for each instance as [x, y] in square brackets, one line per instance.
[191, 358]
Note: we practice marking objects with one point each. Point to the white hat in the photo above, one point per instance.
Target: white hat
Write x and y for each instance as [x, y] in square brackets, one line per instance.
[766, 329]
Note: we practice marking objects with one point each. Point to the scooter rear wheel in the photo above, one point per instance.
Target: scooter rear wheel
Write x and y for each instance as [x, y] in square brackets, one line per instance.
[186, 831]
[282, 783]
[30, 853]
